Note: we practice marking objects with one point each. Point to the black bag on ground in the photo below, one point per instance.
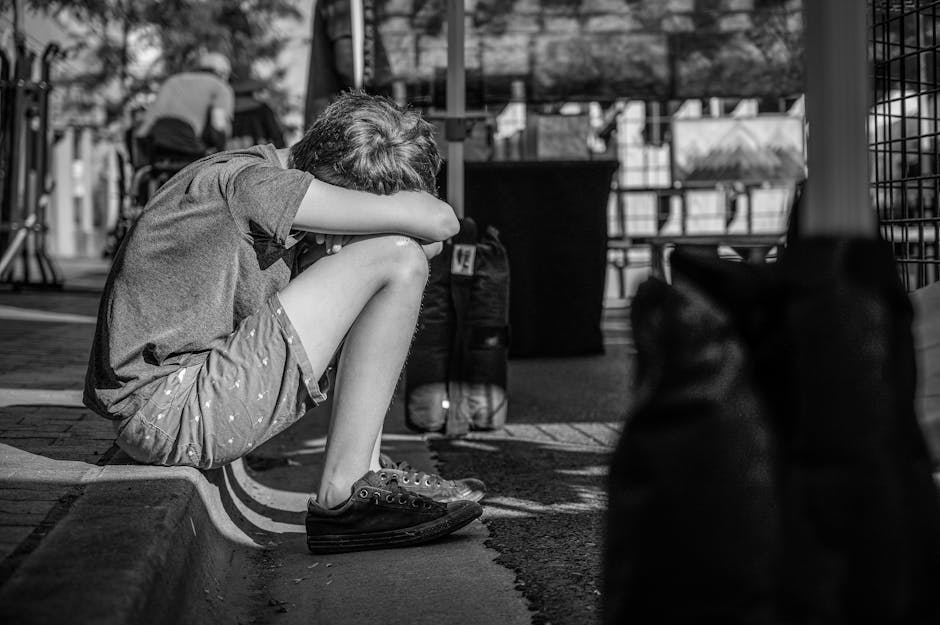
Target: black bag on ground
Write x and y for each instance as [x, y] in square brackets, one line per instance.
[456, 376]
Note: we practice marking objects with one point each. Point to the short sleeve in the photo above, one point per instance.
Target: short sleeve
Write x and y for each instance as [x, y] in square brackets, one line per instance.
[264, 197]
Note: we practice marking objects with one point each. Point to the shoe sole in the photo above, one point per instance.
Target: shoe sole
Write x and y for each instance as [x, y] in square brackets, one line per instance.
[405, 537]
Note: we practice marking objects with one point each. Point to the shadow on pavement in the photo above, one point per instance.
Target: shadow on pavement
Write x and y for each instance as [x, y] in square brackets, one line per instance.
[544, 511]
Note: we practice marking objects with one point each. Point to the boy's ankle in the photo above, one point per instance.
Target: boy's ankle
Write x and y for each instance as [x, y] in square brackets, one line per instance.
[332, 497]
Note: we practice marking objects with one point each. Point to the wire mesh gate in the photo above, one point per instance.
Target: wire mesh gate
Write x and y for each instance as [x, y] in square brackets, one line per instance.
[903, 133]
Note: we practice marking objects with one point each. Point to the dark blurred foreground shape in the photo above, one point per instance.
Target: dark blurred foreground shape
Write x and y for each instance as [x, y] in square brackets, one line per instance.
[773, 469]
[692, 525]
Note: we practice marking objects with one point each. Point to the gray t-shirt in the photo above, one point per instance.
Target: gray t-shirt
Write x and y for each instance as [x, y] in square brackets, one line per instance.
[210, 248]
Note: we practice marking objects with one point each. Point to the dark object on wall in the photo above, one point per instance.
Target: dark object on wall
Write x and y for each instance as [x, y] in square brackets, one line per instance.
[552, 218]
[851, 522]
[456, 377]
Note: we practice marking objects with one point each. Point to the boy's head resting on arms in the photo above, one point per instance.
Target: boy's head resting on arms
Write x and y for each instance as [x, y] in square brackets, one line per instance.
[369, 143]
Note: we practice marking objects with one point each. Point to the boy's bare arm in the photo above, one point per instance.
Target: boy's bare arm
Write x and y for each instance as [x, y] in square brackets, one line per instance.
[330, 209]
[333, 243]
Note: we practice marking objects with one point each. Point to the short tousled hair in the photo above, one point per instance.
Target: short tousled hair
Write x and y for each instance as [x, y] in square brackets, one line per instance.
[369, 143]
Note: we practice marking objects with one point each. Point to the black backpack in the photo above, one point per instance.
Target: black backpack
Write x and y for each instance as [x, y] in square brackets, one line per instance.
[456, 376]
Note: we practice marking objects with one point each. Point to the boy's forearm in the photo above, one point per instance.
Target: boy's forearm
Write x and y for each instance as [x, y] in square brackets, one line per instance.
[334, 210]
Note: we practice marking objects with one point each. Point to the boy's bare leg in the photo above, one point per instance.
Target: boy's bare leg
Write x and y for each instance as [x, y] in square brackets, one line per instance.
[376, 450]
[370, 292]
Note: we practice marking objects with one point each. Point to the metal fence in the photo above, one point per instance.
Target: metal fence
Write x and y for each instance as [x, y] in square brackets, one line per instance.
[903, 133]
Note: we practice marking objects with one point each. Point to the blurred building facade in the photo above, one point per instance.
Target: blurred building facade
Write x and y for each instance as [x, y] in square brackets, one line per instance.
[699, 102]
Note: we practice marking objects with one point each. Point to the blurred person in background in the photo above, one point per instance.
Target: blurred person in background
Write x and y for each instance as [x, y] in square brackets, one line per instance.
[192, 113]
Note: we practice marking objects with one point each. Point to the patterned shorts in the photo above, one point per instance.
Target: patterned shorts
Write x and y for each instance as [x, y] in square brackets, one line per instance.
[248, 389]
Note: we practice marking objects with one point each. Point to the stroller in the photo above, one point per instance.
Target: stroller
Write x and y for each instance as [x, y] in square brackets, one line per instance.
[144, 168]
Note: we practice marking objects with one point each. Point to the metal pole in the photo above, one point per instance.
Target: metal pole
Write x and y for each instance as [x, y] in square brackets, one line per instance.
[87, 204]
[7, 97]
[837, 101]
[19, 239]
[357, 31]
[63, 218]
[47, 268]
[455, 125]
[17, 19]
[13, 209]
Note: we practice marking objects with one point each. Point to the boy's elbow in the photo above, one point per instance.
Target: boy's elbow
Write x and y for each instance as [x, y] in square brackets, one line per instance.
[448, 227]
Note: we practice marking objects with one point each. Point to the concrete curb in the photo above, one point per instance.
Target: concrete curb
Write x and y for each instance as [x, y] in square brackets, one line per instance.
[138, 545]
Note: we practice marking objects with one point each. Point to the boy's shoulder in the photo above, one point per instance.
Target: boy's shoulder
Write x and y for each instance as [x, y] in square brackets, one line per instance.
[251, 174]
[231, 162]
[244, 156]
[205, 177]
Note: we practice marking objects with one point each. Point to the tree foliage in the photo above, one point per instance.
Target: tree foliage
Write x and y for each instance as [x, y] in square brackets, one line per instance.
[126, 47]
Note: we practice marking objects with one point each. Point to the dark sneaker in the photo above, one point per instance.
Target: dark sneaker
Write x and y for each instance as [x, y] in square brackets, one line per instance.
[429, 484]
[379, 515]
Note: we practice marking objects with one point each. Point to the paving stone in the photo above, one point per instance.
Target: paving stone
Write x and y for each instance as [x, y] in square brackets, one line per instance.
[11, 537]
[26, 507]
[34, 443]
[524, 430]
[604, 433]
[83, 454]
[7, 428]
[23, 520]
[30, 433]
[38, 417]
[564, 433]
[36, 492]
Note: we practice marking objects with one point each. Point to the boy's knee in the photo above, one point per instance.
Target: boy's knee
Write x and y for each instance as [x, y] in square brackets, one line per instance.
[406, 259]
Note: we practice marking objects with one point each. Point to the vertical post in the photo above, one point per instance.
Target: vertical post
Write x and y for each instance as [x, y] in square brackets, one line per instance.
[714, 107]
[837, 101]
[6, 146]
[42, 155]
[87, 214]
[17, 18]
[357, 31]
[113, 187]
[63, 218]
[455, 126]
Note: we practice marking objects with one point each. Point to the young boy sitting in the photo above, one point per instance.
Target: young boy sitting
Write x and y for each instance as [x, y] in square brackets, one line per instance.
[208, 344]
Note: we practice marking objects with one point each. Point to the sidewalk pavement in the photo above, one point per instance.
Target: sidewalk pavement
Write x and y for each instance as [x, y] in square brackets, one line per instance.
[84, 538]
[87, 536]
